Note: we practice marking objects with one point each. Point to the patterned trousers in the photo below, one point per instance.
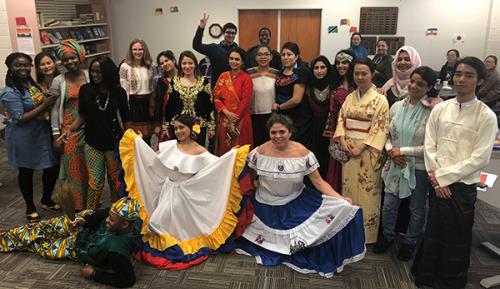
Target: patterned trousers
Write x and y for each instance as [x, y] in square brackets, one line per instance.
[53, 238]
[98, 163]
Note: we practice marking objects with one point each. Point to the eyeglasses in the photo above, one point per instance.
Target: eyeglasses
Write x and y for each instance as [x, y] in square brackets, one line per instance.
[230, 32]
[263, 54]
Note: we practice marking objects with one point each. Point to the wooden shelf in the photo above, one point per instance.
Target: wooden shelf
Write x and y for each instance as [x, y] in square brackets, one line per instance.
[97, 54]
[73, 26]
[79, 41]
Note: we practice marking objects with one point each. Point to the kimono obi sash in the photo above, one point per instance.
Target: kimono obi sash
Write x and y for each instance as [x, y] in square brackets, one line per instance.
[357, 129]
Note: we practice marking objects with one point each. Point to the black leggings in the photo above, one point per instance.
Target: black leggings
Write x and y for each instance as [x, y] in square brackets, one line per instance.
[49, 179]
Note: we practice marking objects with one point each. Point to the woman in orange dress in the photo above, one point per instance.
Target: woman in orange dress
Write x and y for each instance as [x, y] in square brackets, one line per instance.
[73, 171]
[232, 97]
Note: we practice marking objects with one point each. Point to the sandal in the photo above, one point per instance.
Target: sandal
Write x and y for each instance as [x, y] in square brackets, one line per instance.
[53, 208]
[33, 217]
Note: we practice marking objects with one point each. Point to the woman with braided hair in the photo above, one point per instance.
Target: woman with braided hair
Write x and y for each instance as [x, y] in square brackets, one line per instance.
[27, 132]
[73, 171]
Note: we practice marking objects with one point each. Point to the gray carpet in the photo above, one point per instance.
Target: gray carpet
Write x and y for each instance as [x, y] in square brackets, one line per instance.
[25, 270]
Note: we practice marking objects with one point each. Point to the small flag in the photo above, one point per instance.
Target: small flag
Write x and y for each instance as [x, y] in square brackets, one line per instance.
[353, 29]
[431, 31]
[333, 29]
[345, 22]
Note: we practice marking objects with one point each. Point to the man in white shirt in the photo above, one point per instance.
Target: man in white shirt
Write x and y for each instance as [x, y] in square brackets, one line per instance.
[459, 140]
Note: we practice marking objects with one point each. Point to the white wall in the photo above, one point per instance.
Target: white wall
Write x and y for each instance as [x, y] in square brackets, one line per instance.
[5, 47]
[493, 37]
[131, 18]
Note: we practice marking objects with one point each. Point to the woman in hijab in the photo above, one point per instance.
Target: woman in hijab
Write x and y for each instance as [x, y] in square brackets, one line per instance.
[73, 172]
[318, 100]
[407, 60]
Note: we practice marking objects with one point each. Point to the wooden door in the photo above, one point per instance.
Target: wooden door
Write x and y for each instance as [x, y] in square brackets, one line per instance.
[251, 21]
[304, 28]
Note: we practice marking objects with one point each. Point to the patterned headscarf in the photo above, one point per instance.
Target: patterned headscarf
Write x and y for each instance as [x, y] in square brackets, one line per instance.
[126, 208]
[70, 46]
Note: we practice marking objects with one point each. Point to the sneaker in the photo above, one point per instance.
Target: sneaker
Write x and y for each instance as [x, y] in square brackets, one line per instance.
[405, 252]
[382, 245]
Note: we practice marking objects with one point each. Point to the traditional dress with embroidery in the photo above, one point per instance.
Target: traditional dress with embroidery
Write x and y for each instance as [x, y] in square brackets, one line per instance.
[195, 101]
[337, 98]
[235, 95]
[188, 202]
[296, 225]
[299, 114]
[73, 172]
[365, 120]
[138, 83]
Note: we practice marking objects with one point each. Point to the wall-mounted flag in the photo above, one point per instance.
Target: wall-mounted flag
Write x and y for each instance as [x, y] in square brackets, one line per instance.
[345, 22]
[431, 32]
[333, 29]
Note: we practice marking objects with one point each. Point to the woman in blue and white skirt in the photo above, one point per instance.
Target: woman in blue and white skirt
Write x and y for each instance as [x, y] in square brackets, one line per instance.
[311, 230]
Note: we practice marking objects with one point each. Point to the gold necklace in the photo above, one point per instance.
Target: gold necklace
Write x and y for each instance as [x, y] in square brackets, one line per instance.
[102, 107]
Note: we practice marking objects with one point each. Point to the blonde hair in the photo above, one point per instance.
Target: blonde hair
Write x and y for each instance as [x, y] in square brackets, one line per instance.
[146, 59]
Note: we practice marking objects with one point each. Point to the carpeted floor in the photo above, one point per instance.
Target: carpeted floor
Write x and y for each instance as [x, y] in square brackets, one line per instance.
[25, 270]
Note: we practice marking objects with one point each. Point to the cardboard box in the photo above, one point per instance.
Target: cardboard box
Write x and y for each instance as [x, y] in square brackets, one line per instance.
[101, 46]
[97, 9]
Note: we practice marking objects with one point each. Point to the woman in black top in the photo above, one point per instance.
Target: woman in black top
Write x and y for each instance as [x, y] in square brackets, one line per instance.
[191, 94]
[448, 69]
[290, 87]
[100, 103]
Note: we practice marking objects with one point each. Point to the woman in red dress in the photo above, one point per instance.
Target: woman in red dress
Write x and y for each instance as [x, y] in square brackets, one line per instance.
[232, 97]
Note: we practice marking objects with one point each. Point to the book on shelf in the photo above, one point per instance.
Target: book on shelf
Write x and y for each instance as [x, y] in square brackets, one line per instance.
[53, 38]
[58, 35]
[50, 22]
[44, 37]
[65, 34]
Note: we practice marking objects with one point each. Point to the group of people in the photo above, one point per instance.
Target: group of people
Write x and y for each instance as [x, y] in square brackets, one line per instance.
[219, 164]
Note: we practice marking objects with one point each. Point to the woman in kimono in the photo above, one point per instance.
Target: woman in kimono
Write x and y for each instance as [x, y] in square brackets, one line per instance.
[309, 229]
[188, 196]
[362, 131]
[232, 97]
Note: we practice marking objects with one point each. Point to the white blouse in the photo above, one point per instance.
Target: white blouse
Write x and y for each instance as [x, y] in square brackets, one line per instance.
[263, 94]
[136, 80]
[281, 180]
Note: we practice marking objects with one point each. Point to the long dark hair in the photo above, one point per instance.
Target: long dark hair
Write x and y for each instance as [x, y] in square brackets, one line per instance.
[189, 54]
[294, 47]
[337, 78]
[429, 76]
[109, 72]
[13, 81]
[242, 54]
[40, 77]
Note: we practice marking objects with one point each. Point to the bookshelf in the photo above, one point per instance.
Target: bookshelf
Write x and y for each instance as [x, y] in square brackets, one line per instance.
[86, 21]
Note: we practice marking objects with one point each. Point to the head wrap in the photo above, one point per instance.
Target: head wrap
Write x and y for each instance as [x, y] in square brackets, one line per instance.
[400, 79]
[341, 56]
[70, 46]
[126, 208]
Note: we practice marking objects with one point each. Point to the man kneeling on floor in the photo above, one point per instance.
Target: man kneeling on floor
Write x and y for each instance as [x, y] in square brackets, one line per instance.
[100, 239]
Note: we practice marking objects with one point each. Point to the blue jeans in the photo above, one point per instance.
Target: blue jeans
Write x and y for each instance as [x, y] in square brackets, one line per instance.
[418, 199]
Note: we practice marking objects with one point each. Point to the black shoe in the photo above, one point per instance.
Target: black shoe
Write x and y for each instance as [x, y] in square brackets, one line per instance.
[405, 252]
[382, 245]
